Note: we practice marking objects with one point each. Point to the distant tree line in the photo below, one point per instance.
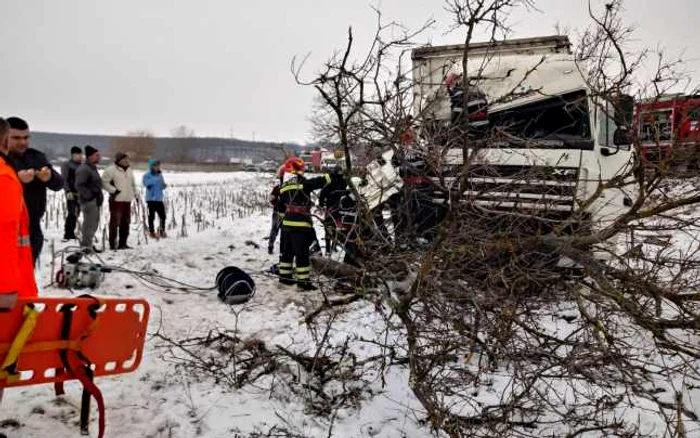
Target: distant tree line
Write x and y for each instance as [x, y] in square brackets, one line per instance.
[183, 146]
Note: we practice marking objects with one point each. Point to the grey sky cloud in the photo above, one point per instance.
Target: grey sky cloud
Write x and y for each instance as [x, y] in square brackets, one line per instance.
[223, 66]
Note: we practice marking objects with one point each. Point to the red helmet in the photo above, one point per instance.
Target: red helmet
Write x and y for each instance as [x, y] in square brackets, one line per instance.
[452, 79]
[294, 165]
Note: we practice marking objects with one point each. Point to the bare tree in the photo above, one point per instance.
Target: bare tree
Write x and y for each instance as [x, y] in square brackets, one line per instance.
[355, 92]
[140, 145]
[182, 138]
[511, 322]
[485, 307]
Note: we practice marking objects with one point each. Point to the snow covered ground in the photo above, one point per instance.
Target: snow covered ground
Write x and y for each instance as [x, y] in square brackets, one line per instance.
[215, 220]
[159, 399]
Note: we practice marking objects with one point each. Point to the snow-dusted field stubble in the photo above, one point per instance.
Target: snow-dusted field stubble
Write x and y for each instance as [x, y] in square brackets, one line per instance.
[216, 371]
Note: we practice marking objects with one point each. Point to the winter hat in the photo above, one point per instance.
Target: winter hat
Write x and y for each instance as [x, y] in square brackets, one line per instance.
[153, 162]
[90, 151]
[75, 150]
[120, 156]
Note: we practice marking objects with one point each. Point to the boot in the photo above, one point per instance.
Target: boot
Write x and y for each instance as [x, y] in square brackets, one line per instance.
[152, 235]
[306, 286]
[286, 281]
[162, 234]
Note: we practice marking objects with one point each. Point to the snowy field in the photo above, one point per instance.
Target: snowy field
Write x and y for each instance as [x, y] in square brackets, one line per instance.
[221, 212]
[216, 220]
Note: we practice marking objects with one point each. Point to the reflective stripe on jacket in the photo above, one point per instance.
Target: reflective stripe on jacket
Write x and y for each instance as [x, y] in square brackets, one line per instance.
[295, 200]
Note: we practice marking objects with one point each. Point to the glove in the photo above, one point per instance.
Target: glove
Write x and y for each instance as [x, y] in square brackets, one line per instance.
[7, 301]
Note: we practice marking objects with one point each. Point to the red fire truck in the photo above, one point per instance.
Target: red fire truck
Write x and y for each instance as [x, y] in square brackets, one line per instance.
[668, 129]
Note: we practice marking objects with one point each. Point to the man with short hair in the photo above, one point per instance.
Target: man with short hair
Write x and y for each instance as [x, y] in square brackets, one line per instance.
[36, 174]
[16, 265]
[68, 170]
[118, 180]
[88, 184]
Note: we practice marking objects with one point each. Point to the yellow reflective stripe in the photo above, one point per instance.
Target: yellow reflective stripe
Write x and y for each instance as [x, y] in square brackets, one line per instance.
[25, 332]
[291, 187]
[296, 223]
[285, 264]
[286, 272]
[328, 178]
[23, 241]
[304, 269]
[303, 276]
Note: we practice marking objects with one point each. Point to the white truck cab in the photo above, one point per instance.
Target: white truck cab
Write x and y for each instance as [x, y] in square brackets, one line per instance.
[551, 141]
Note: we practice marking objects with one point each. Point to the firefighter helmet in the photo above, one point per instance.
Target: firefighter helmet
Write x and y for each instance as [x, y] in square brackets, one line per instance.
[294, 165]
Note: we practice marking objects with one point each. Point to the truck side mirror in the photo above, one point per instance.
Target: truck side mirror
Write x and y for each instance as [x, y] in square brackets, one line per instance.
[621, 136]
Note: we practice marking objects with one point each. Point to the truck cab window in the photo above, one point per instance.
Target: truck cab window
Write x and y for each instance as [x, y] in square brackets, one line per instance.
[557, 122]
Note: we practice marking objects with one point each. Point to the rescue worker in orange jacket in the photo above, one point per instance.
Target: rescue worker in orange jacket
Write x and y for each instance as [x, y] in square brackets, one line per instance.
[298, 234]
[16, 264]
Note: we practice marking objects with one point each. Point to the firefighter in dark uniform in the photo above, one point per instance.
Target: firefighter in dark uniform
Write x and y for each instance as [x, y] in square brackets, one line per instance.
[415, 212]
[329, 201]
[297, 227]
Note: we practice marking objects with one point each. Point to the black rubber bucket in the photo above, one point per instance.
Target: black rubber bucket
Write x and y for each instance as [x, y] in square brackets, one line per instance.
[234, 285]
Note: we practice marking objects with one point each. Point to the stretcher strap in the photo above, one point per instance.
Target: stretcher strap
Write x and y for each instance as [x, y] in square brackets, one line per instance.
[78, 365]
[8, 370]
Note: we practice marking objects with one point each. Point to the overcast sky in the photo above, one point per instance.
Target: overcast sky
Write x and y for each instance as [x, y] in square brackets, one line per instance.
[223, 66]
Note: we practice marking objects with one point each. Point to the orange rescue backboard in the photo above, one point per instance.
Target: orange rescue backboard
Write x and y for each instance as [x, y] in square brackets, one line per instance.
[112, 342]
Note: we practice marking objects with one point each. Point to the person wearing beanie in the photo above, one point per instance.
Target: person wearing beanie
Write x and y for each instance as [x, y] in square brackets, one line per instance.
[68, 170]
[88, 185]
[36, 174]
[155, 185]
[118, 180]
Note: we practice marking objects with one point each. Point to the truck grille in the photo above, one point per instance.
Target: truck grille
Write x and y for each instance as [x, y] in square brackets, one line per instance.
[525, 189]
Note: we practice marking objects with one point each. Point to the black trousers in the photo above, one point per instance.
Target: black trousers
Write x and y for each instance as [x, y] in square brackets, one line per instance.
[156, 207]
[295, 250]
[73, 209]
[331, 232]
[36, 240]
[275, 225]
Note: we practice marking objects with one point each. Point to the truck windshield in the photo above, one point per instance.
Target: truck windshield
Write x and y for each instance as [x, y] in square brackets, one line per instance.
[557, 122]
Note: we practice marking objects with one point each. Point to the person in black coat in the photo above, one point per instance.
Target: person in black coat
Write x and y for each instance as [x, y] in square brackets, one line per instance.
[68, 170]
[36, 174]
[329, 201]
[88, 184]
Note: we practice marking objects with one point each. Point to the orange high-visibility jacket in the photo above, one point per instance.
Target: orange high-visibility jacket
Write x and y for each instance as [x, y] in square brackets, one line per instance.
[16, 265]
